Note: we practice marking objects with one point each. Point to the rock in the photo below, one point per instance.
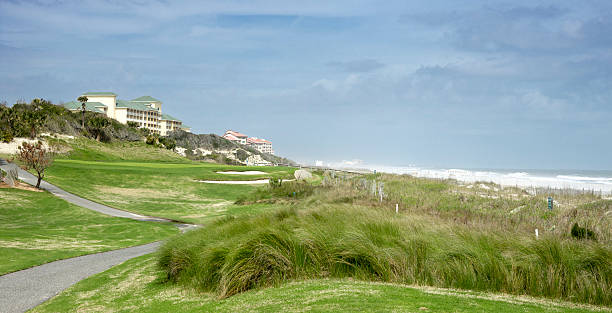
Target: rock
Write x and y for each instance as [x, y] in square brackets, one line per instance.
[302, 174]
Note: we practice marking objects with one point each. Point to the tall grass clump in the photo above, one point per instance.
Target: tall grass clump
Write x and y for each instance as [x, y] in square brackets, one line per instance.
[233, 255]
[278, 191]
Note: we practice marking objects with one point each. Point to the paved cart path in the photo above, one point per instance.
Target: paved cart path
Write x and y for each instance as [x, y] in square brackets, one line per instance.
[25, 289]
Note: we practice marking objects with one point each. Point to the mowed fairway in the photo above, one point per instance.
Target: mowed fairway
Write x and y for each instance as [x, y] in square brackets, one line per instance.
[37, 227]
[169, 190]
[137, 285]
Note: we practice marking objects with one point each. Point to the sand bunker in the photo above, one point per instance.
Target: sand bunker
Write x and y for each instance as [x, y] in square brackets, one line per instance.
[239, 182]
[242, 173]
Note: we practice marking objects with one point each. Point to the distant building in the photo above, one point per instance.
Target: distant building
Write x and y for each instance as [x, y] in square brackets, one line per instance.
[261, 145]
[170, 123]
[145, 111]
[236, 137]
[258, 144]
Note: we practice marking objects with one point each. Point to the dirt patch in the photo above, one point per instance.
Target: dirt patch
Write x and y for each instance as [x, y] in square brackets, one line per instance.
[21, 186]
[55, 244]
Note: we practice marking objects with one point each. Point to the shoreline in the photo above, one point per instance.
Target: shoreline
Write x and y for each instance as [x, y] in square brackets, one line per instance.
[529, 180]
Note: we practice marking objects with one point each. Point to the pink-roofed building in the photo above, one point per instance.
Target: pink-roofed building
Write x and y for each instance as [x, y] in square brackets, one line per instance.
[260, 144]
[236, 137]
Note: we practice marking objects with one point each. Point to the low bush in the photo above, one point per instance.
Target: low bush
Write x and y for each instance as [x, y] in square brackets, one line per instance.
[582, 233]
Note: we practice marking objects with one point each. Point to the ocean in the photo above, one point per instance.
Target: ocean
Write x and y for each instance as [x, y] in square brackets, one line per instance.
[588, 180]
[599, 181]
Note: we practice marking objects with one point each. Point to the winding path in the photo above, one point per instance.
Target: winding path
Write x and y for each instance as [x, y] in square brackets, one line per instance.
[25, 289]
[88, 204]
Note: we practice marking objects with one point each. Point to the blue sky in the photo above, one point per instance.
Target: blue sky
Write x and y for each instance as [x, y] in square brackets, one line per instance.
[487, 84]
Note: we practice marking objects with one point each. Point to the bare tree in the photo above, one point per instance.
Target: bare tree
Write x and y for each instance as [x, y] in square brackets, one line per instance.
[37, 157]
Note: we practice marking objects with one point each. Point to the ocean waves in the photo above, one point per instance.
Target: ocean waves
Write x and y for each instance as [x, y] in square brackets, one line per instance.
[596, 181]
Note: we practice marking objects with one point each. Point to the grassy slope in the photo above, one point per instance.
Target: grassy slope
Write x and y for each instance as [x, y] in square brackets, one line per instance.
[153, 181]
[37, 227]
[136, 286]
[443, 238]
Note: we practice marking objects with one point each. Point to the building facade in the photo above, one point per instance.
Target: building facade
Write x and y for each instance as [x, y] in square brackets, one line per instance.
[258, 144]
[261, 145]
[145, 111]
[236, 136]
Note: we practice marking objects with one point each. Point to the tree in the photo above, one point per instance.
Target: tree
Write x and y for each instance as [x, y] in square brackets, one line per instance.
[97, 125]
[83, 100]
[33, 121]
[11, 124]
[37, 157]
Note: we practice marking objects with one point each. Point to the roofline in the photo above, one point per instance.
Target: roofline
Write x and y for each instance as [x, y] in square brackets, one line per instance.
[99, 94]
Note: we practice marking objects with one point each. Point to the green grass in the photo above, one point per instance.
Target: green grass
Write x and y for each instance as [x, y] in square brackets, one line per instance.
[169, 190]
[87, 149]
[137, 286]
[37, 227]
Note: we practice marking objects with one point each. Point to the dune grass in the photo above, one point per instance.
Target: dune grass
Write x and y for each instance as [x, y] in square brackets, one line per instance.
[137, 286]
[37, 227]
[486, 205]
[452, 240]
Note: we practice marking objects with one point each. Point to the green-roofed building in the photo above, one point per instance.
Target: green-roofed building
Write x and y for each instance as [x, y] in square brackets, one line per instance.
[145, 111]
[147, 99]
[89, 106]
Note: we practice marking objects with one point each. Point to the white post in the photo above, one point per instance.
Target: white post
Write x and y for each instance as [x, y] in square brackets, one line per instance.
[396, 208]
[536, 232]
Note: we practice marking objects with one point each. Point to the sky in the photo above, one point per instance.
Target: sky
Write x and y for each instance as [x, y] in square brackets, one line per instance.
[463, 84]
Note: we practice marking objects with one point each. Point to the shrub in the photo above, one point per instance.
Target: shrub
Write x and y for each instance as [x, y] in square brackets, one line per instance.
[152, 139]
[582, 233]
[242, 155]
[6, 136]
[278, 190]
[275, 182]
[97, 126]
[168, 143]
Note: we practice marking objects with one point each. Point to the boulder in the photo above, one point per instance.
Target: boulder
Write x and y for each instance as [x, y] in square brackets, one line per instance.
[302, 174]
